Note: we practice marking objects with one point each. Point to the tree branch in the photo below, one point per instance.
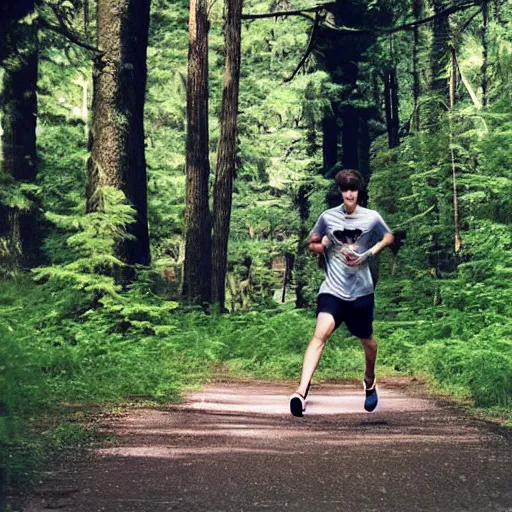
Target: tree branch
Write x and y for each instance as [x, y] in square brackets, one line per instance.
[309, 49]
[297, 12]
[449, 10]
[69, 35]
[386, 30]
[468, 21]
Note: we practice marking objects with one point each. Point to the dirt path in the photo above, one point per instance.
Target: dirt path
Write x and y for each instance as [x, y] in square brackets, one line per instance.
[234, 447]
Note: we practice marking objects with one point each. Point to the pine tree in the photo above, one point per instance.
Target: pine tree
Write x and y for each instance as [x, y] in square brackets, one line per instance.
[227, 152]
[19, 222]
[119, 82]
[198, 258]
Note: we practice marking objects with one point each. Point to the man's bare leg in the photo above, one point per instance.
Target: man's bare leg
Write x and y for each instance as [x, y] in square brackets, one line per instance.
[324, 328]
[370, 353]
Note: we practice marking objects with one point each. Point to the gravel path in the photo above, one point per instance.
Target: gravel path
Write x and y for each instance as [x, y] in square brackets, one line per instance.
[235, 447]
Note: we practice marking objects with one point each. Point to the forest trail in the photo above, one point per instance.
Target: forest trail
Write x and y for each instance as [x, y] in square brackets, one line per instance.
[235, 447]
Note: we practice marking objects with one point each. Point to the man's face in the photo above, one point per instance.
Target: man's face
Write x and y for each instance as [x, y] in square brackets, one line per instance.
[350, 199]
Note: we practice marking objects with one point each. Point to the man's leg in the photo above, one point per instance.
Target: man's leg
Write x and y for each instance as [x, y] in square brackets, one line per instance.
[370, 351]
[324, 328]
[370, 355]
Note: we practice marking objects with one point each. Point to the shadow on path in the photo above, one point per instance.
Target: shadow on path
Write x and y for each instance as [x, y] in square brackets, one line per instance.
[235, 447]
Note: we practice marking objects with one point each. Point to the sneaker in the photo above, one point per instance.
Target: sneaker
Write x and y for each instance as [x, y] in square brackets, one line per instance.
[297, 404]
[371, 399]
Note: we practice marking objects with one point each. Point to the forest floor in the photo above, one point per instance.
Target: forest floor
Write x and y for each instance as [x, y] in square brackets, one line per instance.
[233, 446]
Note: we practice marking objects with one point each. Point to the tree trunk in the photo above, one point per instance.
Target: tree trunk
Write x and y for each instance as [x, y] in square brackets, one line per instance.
[440, 54]
[330, 138]
[485, 53]
[20, 228]
[301, 280]
[198, 258]
[226, 156]
[350, 137]
[439, 64]
[10, 13]
[391, 106]
[455, 199]
[416, 87]
[289, 260]
[365, 143]
[119, 84]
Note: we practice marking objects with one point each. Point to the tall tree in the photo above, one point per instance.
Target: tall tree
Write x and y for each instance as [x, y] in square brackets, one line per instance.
[303, 205]
[439, 61]
[416, 87]
[485, 52]
[391, 106]
[18, 223]
[119, 84]
[455, 199]
[11, 12]
[198, 258]
[330, 136]
[226, 155]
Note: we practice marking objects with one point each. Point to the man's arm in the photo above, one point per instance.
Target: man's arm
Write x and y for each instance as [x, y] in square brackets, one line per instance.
[317, 244]
[387, 240]
[353, 258]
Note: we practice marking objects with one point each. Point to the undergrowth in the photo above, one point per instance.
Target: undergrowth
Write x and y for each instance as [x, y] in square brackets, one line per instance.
[71, 335]
[146, 348]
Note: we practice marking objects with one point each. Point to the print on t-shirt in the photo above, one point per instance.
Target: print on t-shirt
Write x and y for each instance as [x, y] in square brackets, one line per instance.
[347, 236]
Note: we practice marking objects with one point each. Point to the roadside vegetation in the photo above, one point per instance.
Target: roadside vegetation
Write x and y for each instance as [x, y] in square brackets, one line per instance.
[74, 334]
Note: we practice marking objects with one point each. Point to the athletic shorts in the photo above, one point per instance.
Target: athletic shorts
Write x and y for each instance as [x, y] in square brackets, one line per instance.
[357, 314]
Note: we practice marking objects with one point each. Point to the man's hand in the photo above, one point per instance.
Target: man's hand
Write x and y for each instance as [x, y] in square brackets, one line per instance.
[326, 242]
[353, 258]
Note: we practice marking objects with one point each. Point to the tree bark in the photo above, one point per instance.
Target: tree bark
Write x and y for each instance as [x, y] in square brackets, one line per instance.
[330, 138]
[416, 87]
[226, 155]
[439, 62]
[119, 85]
[391, 107]
[289, 260]
[198, 256]
[301, 280]
[485, 53]
[455, 198]
[20, 228]
[10, 13]
[365, 142]
[350, 137]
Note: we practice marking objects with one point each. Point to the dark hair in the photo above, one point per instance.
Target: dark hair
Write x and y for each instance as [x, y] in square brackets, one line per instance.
[349, 179]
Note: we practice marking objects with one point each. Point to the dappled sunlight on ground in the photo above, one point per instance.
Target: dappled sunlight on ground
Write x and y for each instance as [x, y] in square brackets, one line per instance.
[235, 446]
[324, 400]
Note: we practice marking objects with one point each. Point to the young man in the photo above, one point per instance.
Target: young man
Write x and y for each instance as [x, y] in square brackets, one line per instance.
[348, 236]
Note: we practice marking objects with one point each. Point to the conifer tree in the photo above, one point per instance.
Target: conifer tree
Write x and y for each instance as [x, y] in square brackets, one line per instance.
[10, 13]
[19, 227]
[439, 62]
[119, 81]
[226, 156]
[198, 258]
[416, 87]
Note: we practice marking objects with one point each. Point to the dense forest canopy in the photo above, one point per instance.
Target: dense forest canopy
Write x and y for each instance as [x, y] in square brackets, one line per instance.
[164, 162]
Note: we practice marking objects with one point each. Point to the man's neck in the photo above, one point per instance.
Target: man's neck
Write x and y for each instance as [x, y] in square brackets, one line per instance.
[348, 210]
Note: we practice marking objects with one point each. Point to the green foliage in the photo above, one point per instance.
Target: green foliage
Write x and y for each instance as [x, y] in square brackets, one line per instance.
[76, 336]
[92, 245]
[458, 303]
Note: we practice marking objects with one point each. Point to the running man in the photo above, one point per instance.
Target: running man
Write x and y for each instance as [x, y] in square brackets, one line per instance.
[348, 236]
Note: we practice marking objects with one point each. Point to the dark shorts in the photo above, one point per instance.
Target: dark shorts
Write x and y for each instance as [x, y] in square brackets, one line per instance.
[357, 314]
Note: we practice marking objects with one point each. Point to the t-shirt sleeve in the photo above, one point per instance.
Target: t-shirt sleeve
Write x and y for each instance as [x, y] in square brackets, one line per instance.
[320, 227]
[380, 228]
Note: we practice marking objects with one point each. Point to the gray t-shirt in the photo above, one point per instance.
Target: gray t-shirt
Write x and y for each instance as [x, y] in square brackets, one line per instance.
[361, 230]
